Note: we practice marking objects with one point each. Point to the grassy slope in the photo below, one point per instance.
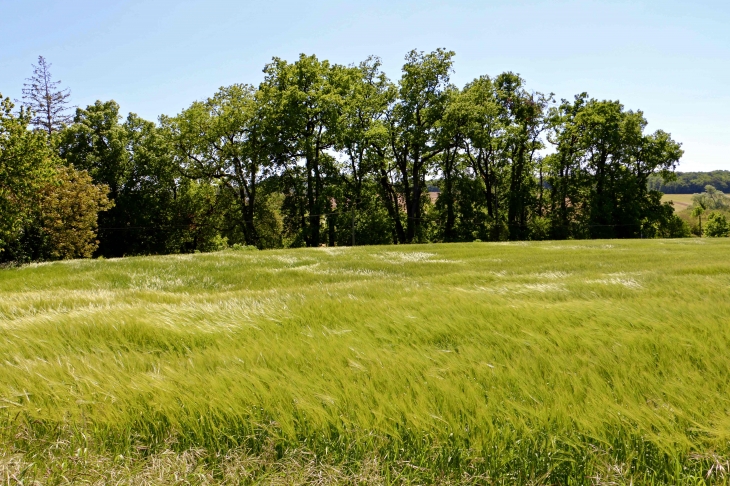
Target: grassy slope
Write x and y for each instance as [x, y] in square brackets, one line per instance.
[681, 201]
[542, 361]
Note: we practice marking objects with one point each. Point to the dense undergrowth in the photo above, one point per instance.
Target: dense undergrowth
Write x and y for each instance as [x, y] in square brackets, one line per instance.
[590, 362]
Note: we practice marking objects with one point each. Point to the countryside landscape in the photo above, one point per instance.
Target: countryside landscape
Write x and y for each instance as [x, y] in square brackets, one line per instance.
[346, 269]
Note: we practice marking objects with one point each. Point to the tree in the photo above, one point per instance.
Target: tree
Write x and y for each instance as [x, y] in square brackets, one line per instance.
[305, 101]
[449, 164]
[526, 113]
[45, 99]
[68, 214]
[711, 198]
[608, 159]
[568, 175]
[717, 226]
[26, 165]
[136, 161]
[224, 139]
[362, 129]
[413, 123]
[699, 207]
[97, 143]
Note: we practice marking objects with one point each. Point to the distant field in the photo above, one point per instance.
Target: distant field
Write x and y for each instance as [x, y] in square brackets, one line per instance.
[581, 362]
[681, 201]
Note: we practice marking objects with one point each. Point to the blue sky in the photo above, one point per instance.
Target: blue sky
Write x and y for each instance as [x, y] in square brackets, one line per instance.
[669, 58]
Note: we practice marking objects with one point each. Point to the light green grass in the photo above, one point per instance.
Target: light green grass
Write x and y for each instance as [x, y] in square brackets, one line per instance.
[681, 201]
[548, 363]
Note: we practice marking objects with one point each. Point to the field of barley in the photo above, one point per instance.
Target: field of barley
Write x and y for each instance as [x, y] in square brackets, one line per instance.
[579, 362]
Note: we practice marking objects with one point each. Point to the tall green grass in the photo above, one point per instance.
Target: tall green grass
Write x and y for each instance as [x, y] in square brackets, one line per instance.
[525, 363]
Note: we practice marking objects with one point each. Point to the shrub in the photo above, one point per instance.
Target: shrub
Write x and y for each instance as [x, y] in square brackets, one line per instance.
[717, 225]
[240, 247]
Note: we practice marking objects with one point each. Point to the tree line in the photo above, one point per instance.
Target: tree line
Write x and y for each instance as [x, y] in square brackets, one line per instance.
[692, 182]
[327, 154]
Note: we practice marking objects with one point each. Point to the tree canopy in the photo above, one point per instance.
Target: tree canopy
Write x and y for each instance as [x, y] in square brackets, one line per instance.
[327, 154]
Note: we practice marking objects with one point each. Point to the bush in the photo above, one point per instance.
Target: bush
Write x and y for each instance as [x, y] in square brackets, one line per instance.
[717, 226]
[240, 247]
[69, 209]
[674, 227]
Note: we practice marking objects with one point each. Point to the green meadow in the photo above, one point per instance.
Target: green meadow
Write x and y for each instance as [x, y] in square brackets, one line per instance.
[576, 362]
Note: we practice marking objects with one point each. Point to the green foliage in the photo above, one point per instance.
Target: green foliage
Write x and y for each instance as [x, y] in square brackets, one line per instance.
[672, 227]
[717, 225]
[304, 101]
[525, 363]
[690, 182]
[224, 141]
[326, 154]
[711, 198]
[412, 123]
[600, 169]
[153, 211]
[26, 165]
[68, 214]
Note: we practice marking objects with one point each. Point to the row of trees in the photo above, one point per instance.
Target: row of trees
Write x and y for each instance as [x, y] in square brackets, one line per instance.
[322, 153]
[692, 182]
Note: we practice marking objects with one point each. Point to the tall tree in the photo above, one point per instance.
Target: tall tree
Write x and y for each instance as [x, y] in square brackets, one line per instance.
[413, 124]
[361, 130]
[97, 143]
[608, 159]
[523, 141]
[568, 177]
[480, 123]
[448, 163]
[26, 166]
[135, 160]
[44, 97]
[306, 102]
[224, 139]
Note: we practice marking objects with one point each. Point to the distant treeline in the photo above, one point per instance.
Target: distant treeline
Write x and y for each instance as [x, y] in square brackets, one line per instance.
[326, 154]
[692, 182]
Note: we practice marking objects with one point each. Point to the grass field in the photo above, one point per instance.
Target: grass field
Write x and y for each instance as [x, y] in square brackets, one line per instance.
[591, 362]
[681, 201]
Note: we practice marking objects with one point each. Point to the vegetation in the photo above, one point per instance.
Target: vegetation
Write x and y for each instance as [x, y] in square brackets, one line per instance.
[679, 201]
[45, 99]
[48, 210]
[326, 154]
[505, 363]
[691, 182]
[693, 209]
[717, 226]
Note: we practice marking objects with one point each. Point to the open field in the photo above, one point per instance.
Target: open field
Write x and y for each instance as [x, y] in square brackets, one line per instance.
[580, 362]
[681, 201]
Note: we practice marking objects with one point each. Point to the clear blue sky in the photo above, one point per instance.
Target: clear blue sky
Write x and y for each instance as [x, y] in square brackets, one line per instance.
[669, 58]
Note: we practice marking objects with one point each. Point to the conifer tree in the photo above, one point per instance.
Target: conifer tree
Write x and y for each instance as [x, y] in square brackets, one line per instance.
[45, 99]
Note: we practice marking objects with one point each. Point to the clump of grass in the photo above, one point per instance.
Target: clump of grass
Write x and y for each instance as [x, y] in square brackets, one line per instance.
[544, 363]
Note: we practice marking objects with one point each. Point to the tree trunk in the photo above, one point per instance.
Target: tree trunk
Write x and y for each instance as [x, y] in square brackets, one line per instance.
[391, 204]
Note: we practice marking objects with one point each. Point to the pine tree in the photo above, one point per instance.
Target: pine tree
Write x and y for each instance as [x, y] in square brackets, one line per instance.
[49, 103]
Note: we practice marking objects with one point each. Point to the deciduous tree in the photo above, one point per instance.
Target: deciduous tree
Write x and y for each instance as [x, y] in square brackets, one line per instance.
[26, 165]
[68, 214]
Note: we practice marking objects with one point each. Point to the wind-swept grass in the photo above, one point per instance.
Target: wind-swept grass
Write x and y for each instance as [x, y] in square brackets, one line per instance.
[603, 362]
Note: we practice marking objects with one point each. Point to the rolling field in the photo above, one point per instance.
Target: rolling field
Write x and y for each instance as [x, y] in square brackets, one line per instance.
[681, 201]
[579, 362]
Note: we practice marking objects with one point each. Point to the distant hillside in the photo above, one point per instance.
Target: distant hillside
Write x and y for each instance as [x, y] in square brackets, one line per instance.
[692, 182]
